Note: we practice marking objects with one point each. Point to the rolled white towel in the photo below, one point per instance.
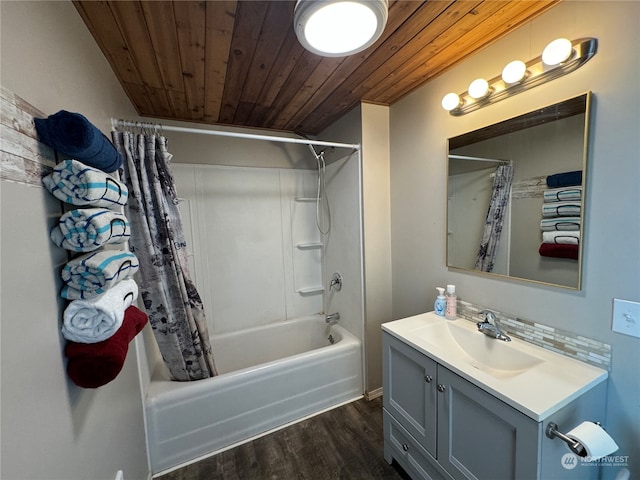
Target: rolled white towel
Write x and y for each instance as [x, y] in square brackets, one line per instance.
[97, 319]
[93, 273]
[561, 238]
[78, 184]
[87, 229]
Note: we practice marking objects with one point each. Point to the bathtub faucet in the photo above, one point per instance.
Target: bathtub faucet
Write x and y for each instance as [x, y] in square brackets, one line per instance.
[332, 318]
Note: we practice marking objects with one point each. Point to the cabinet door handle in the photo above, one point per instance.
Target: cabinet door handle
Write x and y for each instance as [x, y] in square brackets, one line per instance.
[405, 447]
[441, 388]
[428, 378]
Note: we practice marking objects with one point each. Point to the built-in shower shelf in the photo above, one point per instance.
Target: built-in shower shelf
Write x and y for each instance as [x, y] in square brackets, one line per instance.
[310, 290]
[305, 199]
[309, 245]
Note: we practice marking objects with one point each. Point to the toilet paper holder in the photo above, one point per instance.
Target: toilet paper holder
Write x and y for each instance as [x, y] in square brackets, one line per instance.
[575, 446]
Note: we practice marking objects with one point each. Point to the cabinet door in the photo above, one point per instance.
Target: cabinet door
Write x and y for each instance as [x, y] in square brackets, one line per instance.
[480, 437]
[409, 390]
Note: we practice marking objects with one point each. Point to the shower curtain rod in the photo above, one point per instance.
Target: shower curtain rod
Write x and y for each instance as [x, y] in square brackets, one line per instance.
[118, 123]
[479, 159]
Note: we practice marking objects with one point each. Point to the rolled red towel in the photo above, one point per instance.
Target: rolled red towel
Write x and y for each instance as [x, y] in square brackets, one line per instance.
[92, 365]
[559, 250]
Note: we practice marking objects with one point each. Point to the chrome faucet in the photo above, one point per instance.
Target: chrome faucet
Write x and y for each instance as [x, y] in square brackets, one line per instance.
[332, 318]
[491, 329]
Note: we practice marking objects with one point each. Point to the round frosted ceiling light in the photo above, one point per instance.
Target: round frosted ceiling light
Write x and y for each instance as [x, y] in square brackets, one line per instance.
[338, 28]
[479, 88]
[557, 52]
[450, 101]
[514, 72]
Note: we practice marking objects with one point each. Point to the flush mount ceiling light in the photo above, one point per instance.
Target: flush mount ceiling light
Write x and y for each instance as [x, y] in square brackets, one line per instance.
[337, 28]
[559, 57]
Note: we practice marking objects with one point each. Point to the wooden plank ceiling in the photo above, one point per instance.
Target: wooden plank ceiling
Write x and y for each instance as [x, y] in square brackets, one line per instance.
[239, 62]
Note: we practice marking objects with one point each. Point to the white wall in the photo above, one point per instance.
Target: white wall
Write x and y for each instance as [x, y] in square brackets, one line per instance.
[377, 235]
[369, 125]
[243, 227]
[52, 429]
[419, 129]
[343, 245]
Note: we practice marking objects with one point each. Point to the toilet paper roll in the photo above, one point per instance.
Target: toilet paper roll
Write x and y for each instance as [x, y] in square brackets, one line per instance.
[594, 439]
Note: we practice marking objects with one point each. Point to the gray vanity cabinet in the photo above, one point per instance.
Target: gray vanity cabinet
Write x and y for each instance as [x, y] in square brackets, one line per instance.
[480, 436]
[438, 425]
[410, 391]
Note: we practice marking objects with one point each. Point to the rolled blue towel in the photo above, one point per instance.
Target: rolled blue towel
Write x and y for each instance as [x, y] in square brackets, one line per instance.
[565, 179]
[75, 136]
[94, 273]
[74, 182]
[87, 229]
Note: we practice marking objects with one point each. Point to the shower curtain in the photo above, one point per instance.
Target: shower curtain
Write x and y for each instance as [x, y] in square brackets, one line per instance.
[495, 218]
[170, 298]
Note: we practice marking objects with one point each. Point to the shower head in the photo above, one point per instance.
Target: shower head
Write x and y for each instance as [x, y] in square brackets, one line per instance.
[316, 154]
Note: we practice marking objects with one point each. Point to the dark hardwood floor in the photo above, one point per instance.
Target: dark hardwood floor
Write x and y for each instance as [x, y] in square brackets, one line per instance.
[343, 443]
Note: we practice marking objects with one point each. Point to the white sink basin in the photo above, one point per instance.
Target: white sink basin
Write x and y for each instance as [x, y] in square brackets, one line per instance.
[533, 380]
[496, 357]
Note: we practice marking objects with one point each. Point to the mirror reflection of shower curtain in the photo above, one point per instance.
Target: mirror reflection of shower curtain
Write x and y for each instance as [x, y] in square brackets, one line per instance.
[495, 218]
[170, 298]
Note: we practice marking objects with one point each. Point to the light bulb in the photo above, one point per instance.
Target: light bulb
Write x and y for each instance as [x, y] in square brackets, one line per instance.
[514, 72]
[557, 52]
[450, 101]
[479, 88]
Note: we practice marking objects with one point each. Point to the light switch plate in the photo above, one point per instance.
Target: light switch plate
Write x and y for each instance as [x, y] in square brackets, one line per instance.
[626, 317]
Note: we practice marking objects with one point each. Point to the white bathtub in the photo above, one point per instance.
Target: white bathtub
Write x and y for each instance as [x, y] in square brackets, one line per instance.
[269, 376]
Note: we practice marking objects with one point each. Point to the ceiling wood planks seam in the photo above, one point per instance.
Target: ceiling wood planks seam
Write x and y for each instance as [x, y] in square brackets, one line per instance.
[239, 62]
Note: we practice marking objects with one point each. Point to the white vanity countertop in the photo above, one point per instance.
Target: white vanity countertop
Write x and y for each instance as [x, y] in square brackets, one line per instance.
[535, 381]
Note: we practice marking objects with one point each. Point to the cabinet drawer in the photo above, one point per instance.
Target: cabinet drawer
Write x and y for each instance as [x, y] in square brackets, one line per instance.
[399, 444]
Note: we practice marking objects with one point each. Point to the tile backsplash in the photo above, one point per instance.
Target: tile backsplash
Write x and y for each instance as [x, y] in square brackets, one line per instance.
[593, 352]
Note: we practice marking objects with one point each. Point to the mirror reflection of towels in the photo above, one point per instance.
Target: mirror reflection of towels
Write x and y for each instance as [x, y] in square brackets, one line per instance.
[561, 238]
[561, 209]
[565, 179]
[559, 251]
[563, 194]
[554, 224]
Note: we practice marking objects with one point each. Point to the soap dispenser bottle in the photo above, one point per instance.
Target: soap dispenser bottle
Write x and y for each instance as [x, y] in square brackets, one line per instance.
[440, 303]
[450, 311]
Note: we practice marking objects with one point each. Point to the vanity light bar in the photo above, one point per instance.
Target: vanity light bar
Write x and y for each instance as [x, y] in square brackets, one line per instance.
[559, 58]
